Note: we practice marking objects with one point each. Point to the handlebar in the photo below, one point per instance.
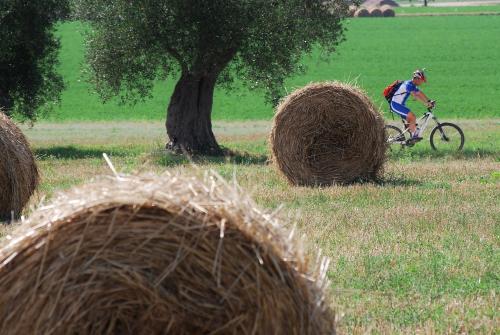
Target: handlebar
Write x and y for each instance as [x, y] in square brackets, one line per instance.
[433, 104]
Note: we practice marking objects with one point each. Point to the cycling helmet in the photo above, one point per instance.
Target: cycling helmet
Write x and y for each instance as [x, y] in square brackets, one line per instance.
[419, 74]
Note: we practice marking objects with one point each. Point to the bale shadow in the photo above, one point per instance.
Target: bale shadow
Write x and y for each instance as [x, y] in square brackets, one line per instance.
[393, 181]
[385, 181]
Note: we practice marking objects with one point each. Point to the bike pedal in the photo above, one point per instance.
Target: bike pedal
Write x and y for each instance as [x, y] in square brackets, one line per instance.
[411, 142]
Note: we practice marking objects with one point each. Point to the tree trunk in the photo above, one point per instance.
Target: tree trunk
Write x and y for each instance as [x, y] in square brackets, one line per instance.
[189, 125]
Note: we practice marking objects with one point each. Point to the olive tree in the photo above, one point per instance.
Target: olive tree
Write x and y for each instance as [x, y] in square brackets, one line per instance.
[29, 82]
[133, 43]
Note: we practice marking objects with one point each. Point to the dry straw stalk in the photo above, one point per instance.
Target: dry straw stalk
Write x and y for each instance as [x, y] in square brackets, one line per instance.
[327, 133]
[18, 171]
[159, 255]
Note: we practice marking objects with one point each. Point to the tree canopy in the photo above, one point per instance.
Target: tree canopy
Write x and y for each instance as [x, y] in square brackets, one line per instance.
[29, 83]
[261, 42]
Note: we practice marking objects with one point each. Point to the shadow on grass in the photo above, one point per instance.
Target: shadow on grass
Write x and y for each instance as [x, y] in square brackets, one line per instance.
[167, 158]
[72, 152]
[393, 181]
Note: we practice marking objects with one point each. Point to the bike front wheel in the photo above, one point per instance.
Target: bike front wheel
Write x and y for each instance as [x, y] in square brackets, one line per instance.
[395, 137]
[447, 137]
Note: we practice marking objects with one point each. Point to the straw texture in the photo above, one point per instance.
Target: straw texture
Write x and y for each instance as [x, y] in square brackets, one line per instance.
[18, 171]
[328, 133]
[159, 255]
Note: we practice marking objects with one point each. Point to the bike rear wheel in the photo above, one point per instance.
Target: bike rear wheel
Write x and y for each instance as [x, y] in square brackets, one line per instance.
[395, 137]
[447, 137]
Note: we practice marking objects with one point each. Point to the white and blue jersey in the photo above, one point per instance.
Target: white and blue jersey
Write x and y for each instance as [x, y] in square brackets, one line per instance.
[398, 102]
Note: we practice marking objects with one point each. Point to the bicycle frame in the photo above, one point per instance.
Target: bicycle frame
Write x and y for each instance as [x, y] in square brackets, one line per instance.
[423, 122]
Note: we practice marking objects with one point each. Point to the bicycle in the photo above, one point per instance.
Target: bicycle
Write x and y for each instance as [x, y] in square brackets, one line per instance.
[444, 136]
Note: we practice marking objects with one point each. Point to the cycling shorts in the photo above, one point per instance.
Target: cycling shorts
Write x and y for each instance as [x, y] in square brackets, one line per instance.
[399, 109]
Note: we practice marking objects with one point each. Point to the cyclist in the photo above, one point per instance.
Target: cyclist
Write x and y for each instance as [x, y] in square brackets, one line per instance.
[398, 101]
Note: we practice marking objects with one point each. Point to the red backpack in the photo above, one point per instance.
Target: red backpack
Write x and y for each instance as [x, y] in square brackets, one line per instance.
[391, 89]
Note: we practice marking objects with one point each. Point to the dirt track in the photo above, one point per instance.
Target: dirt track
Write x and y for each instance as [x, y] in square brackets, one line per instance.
[464, 3]
[454, 4]
[448, 14]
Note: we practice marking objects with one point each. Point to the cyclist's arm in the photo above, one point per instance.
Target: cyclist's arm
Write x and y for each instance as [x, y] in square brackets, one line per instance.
[422, 97]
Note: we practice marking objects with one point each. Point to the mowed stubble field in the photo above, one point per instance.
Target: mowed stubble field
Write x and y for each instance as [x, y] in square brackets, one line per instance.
[417, 252]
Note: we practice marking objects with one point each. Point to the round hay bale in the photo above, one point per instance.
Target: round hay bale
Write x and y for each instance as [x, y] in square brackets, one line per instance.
[352, 10]
[375, 12]
[159, 255]
[328, 133]
[387, 11]
[362, 12]
[18, 171]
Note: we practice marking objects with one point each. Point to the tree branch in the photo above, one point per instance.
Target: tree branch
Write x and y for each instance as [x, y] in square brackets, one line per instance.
[178, 56]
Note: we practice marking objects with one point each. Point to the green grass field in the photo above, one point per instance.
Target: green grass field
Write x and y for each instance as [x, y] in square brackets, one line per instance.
[459, 53]
[416, 253]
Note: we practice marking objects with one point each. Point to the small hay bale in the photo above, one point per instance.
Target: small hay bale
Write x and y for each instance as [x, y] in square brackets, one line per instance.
[18, 171]
[327, 133]
[387, 11]
[159, 255]
[375, 12]
[352, 10]
[362, 12]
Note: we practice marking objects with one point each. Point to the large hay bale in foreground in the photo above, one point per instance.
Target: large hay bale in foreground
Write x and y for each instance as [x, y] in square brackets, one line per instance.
[387, 11]
[375, 12]
[328, 133]
[18, 171]
[159, 255]
[362, 12]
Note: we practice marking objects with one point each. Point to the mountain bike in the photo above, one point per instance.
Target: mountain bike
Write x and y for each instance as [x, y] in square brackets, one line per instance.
[444, 136]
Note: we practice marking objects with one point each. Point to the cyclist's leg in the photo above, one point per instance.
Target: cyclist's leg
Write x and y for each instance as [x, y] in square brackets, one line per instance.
[412, 122]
